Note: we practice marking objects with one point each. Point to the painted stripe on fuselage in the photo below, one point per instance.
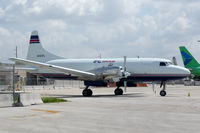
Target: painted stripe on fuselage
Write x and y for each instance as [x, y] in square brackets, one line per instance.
[155, 77]
[134, 77]
[34, 41]
[159, 75]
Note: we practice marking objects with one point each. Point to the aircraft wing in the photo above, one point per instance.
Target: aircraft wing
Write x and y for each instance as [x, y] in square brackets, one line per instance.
[54, 67]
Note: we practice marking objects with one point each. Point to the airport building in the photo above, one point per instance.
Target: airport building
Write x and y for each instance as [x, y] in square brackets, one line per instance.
[5, 76]
[25, 78]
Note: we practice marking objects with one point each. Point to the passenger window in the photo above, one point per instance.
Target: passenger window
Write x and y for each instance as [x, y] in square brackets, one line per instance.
[162, 64]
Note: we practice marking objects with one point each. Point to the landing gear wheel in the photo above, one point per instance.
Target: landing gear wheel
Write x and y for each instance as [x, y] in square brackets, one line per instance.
[118, 91]
[87, 92]
[162, 93]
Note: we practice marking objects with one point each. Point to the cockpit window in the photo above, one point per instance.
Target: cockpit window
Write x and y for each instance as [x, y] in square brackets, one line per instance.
[165, 63]
[162, 63]
[169, 63]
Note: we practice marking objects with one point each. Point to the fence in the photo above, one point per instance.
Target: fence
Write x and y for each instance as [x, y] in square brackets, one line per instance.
[58, 84]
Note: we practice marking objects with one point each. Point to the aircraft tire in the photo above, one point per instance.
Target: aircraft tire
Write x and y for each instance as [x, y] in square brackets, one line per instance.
[90, 92]
[87, 92]
[118, 91]
[162, 93]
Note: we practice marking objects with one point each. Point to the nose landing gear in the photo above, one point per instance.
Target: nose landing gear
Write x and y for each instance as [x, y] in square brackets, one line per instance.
[163, 92]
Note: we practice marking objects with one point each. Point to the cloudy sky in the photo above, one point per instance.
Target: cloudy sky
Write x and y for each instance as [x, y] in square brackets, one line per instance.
[112, 28]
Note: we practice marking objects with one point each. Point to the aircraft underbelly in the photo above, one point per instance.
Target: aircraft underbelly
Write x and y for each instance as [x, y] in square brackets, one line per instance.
[145, 77]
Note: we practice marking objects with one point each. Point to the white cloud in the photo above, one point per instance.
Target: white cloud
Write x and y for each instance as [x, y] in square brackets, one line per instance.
[131, 24]
[33, 10]
[70, 7]
[149, 22]
[1, 12]
[20, 2]
[114, 28]
[82, 7]
[131, 7]
[8, 41]
[4, 32]
[56, 24]
[180, 24]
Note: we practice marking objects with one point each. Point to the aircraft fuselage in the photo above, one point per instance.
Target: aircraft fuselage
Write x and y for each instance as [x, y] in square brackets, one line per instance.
[141, 69]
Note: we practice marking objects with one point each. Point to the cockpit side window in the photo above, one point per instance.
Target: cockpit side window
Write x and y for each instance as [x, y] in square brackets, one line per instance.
[169, 63]
[162, 64]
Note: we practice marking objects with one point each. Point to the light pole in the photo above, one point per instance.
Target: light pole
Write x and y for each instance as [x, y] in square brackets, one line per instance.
[13, 86]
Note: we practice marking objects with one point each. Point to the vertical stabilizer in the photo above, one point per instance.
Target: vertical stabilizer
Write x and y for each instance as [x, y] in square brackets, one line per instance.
[188, 60]
[36, 52]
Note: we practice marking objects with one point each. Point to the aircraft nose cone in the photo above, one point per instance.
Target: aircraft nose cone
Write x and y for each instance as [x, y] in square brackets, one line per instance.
[182, 71]
[185, 71]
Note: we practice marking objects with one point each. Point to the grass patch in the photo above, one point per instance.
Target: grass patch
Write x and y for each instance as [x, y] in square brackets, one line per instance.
[52, 100]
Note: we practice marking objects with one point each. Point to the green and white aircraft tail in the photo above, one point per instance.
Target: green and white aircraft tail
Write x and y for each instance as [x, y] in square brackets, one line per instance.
[190, 62]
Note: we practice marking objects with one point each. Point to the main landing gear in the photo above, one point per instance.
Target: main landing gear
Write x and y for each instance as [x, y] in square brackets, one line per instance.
[118, 91]
[87, 92]
[163, 92]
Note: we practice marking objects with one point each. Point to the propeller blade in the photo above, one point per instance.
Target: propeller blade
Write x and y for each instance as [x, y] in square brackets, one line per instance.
[124, 63]
[125, 85]
[125, 82]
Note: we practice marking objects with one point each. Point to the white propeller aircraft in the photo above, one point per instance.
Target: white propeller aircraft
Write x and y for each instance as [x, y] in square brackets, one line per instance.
[99, 72]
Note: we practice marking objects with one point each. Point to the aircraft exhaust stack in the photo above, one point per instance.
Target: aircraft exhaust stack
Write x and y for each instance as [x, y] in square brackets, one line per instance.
[174, 61]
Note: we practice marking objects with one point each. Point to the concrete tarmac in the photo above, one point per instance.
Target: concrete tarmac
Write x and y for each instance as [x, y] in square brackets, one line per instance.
[139, 110]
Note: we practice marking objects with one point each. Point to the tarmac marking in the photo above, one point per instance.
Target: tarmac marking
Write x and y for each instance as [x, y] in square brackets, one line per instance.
[22, 117]
[33, 115]
[47, 111]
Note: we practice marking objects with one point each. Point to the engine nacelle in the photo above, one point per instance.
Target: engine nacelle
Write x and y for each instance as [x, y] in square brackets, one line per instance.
[129, 84]
[95, 83]
[105, 84]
